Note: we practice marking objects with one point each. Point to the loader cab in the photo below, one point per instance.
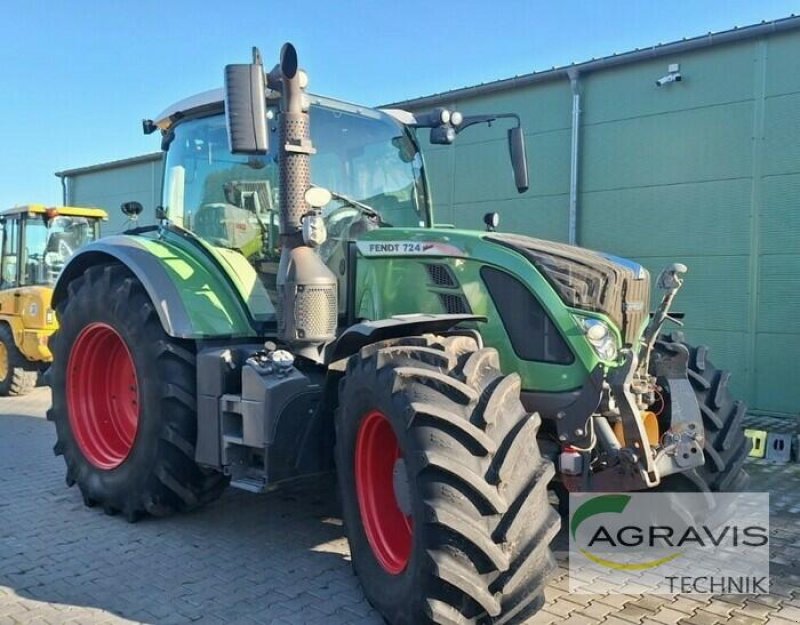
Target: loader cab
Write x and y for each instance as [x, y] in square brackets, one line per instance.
[231, 201]
[37, 242]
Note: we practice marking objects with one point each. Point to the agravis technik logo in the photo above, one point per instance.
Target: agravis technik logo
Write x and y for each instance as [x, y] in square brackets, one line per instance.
[670, 542]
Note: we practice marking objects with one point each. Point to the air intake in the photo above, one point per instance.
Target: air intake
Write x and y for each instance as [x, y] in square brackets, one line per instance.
[441, 276]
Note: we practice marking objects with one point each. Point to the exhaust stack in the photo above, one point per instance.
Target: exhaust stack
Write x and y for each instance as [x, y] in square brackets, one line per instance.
[295, 146]
[307, 289]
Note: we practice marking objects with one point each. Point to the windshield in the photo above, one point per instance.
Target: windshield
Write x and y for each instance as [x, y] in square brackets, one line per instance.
[232, 200]
[49, 245]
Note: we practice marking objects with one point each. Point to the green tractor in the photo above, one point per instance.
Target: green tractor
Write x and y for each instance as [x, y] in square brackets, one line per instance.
[296, 310]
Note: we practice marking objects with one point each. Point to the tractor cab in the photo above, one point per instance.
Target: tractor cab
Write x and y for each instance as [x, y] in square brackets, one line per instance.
[366, 158]
[37, 241]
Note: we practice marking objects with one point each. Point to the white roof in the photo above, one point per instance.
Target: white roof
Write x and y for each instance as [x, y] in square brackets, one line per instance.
[214, 98]
[210, 98]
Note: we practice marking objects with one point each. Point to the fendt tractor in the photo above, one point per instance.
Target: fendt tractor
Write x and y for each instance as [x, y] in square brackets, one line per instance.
[37, 242]
[296, 310]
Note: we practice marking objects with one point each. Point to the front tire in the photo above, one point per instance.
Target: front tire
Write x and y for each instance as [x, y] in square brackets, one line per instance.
[443, 488]
[124, 401]
[16, 374]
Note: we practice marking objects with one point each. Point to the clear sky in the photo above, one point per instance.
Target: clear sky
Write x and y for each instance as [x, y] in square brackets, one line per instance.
[78, 76]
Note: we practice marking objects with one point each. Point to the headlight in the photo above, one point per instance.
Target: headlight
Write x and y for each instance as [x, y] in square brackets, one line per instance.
[600, 338]
[50, 317]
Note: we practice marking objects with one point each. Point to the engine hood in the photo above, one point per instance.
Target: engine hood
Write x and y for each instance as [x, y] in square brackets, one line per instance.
[589, 280]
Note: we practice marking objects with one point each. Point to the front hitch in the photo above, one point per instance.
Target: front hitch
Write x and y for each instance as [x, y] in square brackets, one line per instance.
[635, 468]
[637, 465]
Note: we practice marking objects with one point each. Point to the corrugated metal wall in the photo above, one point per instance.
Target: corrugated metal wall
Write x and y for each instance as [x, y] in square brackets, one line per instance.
[705, 171]
[108, 188]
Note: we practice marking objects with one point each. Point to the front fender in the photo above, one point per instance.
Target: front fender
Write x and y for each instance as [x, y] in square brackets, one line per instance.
[367, 332]
[193, 298]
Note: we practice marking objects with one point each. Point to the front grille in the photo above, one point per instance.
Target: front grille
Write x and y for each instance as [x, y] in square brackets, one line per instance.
[636, 306]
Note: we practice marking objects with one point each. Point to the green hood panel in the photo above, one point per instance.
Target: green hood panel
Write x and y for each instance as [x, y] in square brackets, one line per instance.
[394, 277]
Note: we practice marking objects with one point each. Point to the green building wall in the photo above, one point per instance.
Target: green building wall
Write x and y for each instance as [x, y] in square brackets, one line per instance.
[108, 185]
[705, 171]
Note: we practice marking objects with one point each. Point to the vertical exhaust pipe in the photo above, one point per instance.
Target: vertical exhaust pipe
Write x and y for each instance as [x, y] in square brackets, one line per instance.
[295, 149]
[307, 289]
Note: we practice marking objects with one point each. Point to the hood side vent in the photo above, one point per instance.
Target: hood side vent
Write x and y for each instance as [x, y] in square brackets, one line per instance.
[441, 276]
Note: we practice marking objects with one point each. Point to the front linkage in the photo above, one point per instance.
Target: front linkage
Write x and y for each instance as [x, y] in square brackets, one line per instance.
[628, 458]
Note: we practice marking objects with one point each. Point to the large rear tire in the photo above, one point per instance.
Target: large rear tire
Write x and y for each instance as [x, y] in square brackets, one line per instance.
[18, 375]
[443, 488]
[124, 401]
[725, 446]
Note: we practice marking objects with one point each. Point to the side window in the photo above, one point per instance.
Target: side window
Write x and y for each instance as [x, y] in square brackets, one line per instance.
[532, 333]
[10, 252]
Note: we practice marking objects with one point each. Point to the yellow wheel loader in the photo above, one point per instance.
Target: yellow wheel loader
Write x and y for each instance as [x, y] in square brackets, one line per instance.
[37, 241]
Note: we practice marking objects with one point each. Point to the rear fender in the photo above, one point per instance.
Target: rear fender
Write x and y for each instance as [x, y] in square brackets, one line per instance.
[193, 299]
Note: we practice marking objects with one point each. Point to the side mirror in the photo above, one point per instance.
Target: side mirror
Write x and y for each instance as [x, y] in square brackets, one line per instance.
[245, 107]
[519, 158]
[132, 210]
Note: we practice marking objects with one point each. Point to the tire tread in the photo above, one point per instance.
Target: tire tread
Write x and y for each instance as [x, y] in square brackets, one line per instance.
[174, 483]
[495, 525]
[725, 445]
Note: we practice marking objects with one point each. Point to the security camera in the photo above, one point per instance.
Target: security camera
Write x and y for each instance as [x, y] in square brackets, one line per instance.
[665, 80]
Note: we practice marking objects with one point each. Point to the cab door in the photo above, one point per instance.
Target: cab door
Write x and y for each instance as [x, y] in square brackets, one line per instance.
[9, 259]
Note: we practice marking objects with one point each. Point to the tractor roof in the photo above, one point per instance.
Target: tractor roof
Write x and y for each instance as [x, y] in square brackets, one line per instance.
[206, 101]
[70, 211]
[213, 101]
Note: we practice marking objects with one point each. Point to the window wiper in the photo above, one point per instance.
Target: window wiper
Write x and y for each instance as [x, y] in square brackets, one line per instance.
[364, 208]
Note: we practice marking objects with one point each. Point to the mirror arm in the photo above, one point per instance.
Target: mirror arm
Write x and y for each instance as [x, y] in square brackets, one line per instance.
[444, 131]
[471, 120]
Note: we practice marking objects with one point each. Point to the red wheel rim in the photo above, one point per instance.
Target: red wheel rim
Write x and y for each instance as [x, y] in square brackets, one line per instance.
[388, 529]
[102, 396]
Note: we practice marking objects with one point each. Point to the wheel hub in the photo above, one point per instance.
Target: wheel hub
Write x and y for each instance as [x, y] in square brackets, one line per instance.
[102, 396]
[402, 494]
[384, 495]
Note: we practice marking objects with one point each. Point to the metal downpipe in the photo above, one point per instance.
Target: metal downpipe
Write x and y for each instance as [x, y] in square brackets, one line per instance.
[64, 199]
[574, 157]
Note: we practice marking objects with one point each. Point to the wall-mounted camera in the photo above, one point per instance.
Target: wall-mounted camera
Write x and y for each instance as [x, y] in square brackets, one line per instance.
[673, 75]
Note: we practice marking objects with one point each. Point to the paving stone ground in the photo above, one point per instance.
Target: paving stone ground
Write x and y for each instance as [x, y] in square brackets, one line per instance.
[279, 558]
